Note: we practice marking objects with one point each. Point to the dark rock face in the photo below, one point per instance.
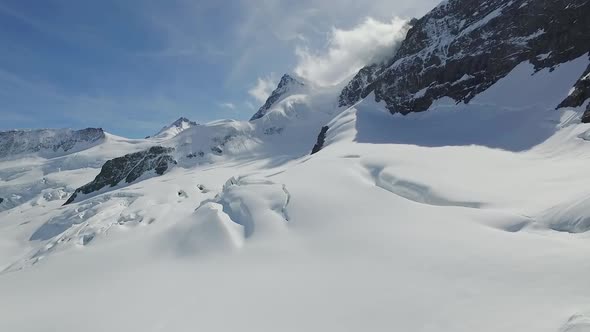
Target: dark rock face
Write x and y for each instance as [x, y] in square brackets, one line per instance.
[586, 116]
[180, 120]
[462, 47]
[321, 140]
[128, 168]
[15, 142]
[580, 93]
[287, 85]
[1, 200]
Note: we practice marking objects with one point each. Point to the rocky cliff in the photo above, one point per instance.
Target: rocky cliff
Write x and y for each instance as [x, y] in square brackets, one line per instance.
[128, 168]
[462, 47]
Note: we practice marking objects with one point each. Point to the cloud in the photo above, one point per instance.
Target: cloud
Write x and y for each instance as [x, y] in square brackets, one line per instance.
[228, 105]
[348, 51]
[263, 88]
[249, 105]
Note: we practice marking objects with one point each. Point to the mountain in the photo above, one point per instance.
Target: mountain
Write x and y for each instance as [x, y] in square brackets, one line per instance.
[47, 141]
[287, 86]
[464, 210]
[463, 47]
[175, 128]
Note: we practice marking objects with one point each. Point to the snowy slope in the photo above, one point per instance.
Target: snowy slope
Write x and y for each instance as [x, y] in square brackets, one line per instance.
[471, 216]
[455, 230]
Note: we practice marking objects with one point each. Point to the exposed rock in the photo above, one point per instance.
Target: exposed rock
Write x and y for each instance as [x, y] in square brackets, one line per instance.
[1, 200]
[321, 140]
[286, 86]
[128, 168]
[216, 150]
[462, 47]
[580, 92]
[273, 131]
[195, 155]
[15, 142]
[586, 116]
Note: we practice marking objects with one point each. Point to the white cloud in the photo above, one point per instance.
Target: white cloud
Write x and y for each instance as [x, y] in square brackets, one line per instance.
[263, 88]
[349, 50]
[249, 105]
[228, 105]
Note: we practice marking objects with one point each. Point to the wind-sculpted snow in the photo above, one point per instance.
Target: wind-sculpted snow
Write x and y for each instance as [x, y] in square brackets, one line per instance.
[577, 323]
[570, 216]
[413, 191]
[78, 225]
[258, 205]
[47, 141]
[208, 231]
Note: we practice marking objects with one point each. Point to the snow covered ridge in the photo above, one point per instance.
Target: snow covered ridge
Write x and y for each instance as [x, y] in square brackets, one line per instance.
[175, 128]
[462, 47]
[47, 141]
[287, 86]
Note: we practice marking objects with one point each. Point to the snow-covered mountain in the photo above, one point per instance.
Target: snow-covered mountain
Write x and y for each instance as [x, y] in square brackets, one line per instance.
[463, 47]
[175, 128]
[47, 141]
[465, 210]
[287, 86]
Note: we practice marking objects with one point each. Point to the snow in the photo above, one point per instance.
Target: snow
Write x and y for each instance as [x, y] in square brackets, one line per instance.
[468, 217]
[174, 129]
[485, 20]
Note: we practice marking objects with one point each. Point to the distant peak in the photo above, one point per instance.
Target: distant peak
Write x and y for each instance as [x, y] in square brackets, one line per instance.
[288, 80]
[182, 120]
[175, 128]
[286, 86]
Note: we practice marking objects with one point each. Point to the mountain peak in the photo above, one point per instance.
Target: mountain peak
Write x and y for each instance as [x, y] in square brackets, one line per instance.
[286, 87]
[288, 80]
[182, 120]
[175, 128]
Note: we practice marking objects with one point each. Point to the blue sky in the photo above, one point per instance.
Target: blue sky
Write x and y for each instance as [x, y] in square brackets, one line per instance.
[132, 66]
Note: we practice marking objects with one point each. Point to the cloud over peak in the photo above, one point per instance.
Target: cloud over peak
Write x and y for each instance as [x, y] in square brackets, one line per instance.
[264, 87]
[348, 51]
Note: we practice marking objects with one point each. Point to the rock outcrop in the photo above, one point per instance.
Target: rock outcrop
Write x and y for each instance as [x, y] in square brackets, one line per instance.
[128, 168]
[321, 140]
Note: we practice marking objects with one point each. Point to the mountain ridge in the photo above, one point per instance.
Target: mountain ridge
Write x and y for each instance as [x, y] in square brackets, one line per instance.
[458, 53]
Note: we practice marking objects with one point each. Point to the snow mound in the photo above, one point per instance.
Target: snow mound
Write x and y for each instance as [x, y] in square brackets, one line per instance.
[209, 230]
[571, 216]
[577, 323]
[259, 205]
